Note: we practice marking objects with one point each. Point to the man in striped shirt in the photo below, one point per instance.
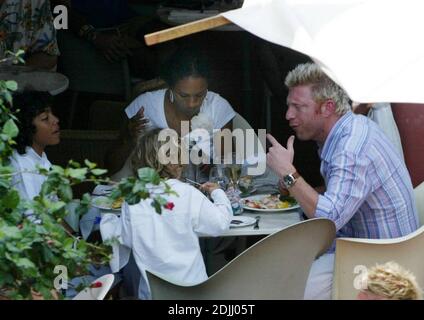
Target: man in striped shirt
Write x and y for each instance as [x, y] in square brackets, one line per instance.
[368, 192]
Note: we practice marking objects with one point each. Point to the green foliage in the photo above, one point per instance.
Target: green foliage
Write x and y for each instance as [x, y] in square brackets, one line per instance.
[31, 248]
[135, 189]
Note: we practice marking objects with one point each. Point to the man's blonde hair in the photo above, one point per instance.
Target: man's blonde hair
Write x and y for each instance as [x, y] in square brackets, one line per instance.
[147, 154]
[323, 88]
[392, 281]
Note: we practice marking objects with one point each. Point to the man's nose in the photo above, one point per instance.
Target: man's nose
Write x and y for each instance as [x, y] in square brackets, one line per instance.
[289, 114]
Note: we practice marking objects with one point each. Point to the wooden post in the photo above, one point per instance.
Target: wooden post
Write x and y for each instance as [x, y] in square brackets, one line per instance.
[185, 29]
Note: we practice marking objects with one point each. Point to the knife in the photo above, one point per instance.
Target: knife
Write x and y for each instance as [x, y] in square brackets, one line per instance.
[257, 222]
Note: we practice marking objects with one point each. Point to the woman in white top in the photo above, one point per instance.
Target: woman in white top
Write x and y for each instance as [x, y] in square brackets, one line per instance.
[38, 128]
[187, 95]
[167, 243]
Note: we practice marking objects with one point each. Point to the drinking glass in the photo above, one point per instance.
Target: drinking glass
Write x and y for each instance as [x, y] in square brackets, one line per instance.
[217, 175]
[233, 168]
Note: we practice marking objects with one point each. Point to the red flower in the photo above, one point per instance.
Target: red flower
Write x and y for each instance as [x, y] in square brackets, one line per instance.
[96, 284]
[169, 205]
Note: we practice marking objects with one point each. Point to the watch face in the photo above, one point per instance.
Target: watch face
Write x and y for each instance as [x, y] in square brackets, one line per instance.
[288, 180]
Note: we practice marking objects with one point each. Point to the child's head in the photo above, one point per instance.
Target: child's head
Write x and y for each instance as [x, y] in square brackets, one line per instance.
[148, 154]
[38, 127]
[390, 281]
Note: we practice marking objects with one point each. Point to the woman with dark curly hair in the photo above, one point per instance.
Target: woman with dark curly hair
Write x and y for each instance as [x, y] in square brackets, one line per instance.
[38, 128]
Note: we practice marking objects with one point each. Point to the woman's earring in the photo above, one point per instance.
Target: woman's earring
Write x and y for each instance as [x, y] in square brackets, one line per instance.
[171, 96]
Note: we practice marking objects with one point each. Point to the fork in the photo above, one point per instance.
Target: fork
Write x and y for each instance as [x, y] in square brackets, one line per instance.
[257, 222]
[193, 182]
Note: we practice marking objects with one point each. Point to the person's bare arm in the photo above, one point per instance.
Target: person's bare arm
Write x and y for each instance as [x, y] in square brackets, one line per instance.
[285, 192]
[280, 160]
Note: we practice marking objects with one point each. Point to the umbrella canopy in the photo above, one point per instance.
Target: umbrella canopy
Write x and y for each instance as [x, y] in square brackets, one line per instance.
[372, 48]
[29, 78]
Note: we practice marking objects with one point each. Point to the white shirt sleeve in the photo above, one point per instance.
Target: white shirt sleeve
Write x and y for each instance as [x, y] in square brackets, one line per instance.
[219, 109]
[135, 106]
[153, 108]
[214, 218]
[111, 226]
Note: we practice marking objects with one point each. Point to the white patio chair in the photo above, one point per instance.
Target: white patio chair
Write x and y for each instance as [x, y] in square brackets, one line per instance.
[360, 253]
[97, 293]
[277, 267]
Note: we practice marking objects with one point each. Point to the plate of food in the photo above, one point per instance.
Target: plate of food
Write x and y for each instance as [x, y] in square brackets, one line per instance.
[107, 203]
[269, 203]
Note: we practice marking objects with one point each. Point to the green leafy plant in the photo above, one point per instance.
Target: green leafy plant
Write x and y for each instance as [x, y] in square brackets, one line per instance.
[30, 249]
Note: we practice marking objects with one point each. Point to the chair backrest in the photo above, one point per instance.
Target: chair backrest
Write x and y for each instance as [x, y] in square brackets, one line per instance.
[419, 200]
[353, 255]
[88, 71]
[79, 145]
[98, 289]
[277, 267]
[107, 115]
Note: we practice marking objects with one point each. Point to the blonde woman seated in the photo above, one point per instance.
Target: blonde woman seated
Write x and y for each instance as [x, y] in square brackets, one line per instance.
[167, 243]
[390, 282]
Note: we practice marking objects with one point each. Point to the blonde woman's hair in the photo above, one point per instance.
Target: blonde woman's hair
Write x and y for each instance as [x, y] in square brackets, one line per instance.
[147, 154]
[392, 281]
[323, 88]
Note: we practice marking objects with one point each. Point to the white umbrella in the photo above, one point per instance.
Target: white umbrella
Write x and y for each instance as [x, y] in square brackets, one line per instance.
[372, 48]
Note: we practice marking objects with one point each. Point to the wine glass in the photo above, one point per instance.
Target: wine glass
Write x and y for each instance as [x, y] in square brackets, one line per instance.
[217, 175]
[233, 168]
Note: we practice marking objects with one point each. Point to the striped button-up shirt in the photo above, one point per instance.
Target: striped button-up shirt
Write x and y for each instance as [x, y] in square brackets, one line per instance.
[369, 193]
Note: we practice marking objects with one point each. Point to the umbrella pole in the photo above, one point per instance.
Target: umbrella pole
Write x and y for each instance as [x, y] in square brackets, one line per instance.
[185, 29]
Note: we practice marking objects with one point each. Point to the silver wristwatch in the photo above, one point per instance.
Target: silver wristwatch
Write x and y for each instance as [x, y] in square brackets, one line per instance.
[290, 179]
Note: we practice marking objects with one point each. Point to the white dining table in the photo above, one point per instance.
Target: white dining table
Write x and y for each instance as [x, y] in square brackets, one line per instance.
[269, 223]
[239, 239]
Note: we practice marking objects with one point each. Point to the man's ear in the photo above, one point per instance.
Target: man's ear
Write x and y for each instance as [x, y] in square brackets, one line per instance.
[328, 108]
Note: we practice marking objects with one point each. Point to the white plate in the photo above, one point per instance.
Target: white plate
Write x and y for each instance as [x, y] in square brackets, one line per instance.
[260, 196]
[103, 202]
[244, 221]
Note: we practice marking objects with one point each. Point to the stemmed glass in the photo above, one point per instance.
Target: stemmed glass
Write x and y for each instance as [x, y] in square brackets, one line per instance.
[217, 175]
[233, 169]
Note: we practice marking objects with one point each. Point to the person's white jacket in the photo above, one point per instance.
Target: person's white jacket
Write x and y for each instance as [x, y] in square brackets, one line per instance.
[168, 243]
[26, 180]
